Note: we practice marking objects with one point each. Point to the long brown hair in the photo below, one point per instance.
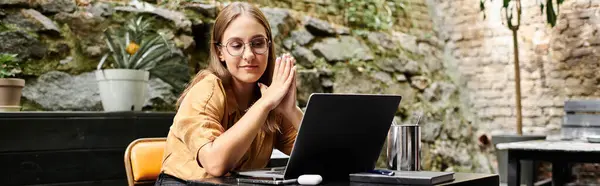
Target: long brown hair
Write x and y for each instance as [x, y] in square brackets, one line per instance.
[218, 68]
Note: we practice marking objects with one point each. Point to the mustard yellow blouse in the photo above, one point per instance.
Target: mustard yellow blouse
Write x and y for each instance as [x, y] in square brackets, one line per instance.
[205, 113]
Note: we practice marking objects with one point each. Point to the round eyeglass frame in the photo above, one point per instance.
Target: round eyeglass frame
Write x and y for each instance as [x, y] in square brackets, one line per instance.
[220, 45]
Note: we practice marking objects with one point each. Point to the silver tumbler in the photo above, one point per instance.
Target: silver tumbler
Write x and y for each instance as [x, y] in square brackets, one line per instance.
[404, 147]
[392, 146]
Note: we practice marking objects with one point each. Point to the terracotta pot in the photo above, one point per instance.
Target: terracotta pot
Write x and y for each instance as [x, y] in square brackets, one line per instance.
[10, 93]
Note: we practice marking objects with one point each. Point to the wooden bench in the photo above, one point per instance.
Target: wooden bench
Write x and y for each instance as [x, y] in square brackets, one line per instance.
[582, 118]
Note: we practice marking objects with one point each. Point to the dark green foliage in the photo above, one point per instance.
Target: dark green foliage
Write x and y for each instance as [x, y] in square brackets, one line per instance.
[373, 15]
[548, 7]
[9, 65]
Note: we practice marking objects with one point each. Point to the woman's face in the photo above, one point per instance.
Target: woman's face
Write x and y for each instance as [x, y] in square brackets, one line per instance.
[245, 49]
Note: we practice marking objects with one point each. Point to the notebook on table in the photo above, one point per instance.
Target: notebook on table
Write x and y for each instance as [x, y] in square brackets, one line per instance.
[405, 177]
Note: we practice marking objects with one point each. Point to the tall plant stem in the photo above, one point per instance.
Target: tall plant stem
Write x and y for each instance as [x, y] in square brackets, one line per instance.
[514, 29]
[517, 84]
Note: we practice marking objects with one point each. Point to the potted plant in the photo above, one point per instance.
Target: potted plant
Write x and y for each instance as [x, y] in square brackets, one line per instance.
[10, 88]
[134, 52]
[510, 8]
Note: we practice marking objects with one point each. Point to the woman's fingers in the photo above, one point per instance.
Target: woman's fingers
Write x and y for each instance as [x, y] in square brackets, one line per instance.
[282, 71]
[278, 71]
[293, 61]
[287, 68]
[293, 76]
[280, 77]
[283, 67]
[290, 78]
[276, 68]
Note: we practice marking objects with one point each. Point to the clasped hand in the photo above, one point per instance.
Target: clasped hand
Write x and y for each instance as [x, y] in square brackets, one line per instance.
[280, 96]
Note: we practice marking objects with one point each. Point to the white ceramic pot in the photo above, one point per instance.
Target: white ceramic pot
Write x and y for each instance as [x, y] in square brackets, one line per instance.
[122, 89]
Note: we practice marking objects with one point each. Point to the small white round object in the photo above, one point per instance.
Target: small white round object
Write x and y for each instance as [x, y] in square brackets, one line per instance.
[310, 179]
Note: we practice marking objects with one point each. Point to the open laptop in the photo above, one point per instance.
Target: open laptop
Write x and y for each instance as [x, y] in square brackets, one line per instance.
[339, 134]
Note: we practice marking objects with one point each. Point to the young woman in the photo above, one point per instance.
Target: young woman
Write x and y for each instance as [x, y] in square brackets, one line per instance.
[233, 114]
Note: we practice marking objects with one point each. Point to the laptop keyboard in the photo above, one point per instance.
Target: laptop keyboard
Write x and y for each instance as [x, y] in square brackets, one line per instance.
[276, 172]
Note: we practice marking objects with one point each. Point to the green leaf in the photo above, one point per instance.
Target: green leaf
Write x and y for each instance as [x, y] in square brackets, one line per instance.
[558, 6]
[550, 14]
[144, 46]
[509, 20]
[153, 58]
[102, 61]
[146, 53]
[542, 8]
[174, 73]
[9, 65]
[112, 46]
[124, 55]
[505, 4]
[482, 5]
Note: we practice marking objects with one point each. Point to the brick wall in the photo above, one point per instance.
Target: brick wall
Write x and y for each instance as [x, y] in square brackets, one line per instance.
[481, 52]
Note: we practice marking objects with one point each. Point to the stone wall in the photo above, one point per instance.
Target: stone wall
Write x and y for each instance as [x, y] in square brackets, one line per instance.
[60, 49]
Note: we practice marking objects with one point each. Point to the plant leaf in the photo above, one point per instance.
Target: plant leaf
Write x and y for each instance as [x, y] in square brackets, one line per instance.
[146, 53]
[112, 46]
[145, 45]
[482, 5]
[174, 74]
[550, 14]
[155, 58]
[509, 20]
[558, 6]
[124, 55]
[127, 41]
[99, 67]
[505, 4]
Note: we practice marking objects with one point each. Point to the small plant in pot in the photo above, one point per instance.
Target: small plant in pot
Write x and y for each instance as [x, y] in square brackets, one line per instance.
[10, 88]
[135, 51]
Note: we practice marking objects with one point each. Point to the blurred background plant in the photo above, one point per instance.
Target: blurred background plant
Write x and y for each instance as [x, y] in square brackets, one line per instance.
[137, 46]
[9, 65]
[372, 15]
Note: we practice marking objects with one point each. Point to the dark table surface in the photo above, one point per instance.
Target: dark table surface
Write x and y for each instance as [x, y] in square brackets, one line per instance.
[559, 153]
[459, 179]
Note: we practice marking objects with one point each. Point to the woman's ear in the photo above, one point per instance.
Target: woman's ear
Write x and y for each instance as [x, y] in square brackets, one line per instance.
[220, 54]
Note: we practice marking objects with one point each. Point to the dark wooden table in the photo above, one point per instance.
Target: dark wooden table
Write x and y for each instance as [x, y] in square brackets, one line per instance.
[460, 179]
[77, 148]
[559, 153]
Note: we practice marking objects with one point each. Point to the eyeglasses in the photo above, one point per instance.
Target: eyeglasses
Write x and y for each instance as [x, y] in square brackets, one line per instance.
[236, 47]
